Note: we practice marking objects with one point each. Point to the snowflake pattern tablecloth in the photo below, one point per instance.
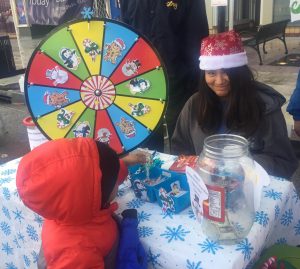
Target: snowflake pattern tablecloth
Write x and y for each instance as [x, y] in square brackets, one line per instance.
[171, 241]
[20, 228]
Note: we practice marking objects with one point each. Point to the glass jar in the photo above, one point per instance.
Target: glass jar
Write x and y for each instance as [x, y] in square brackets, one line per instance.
[227, 170]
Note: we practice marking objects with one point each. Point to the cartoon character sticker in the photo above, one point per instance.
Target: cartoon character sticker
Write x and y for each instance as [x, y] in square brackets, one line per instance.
[197, 208]
[131, 67]
[70, 58]
[92, 48]
[127, 127]
[140, 190]
[139, 109]
[175, 187]
[64, 118]
[114, 50]
[167, 201]
[58, 76]
[82, 129]
[56, 99]
[139, 85]
[103, 135]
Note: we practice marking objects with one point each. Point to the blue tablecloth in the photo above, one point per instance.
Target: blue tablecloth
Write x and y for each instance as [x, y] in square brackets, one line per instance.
[171, 241]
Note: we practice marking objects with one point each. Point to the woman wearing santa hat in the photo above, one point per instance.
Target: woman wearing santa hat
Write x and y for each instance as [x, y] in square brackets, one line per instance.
[229, 100]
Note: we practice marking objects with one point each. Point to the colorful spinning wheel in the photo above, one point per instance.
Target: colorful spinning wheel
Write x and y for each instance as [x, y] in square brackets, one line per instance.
[96, 79]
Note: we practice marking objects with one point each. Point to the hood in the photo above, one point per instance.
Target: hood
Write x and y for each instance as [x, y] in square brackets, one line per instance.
[60, 180]
[273, 100]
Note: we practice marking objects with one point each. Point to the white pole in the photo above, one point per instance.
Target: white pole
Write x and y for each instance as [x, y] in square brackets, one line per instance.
[16, 24]
[108, 9]
[231, 14]
[261, 15]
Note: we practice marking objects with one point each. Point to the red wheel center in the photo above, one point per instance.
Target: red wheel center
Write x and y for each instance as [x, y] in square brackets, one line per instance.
[97, 92]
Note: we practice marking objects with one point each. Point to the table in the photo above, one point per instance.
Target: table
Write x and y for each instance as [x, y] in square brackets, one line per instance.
[20, 228]
[171, 241]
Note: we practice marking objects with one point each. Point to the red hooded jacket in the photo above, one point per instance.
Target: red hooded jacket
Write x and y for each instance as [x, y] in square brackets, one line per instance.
[61, 181]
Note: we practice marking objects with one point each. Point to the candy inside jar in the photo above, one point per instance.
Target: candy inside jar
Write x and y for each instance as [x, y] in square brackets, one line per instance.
[223, 165]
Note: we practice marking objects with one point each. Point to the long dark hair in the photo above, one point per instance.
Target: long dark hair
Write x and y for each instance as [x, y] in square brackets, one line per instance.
[243, 110]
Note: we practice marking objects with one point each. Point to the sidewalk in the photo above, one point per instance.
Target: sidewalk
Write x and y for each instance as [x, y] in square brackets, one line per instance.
[281, 78]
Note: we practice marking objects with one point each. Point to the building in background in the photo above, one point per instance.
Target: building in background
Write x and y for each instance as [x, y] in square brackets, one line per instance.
[7, 32]
[16, 19]
[6, 18]
[32, 28]
[258, 12]
[114, 8]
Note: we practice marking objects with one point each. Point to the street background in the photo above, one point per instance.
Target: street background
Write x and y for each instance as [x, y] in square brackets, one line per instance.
[13, 135]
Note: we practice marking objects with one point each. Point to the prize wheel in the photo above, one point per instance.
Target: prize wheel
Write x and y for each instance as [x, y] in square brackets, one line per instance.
[99, 79]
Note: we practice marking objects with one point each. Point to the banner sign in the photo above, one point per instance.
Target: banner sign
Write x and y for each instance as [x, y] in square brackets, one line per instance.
[54, 12]
[295, 10]
[218, 3]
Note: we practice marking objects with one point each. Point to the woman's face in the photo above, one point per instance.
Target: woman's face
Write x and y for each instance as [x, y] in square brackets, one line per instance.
[218, 81]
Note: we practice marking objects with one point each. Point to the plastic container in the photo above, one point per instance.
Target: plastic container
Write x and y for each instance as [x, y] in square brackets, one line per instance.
[21, 83]
[35, 137]
[168, 188]
[143, 184]
[226, 168]
[173, 193]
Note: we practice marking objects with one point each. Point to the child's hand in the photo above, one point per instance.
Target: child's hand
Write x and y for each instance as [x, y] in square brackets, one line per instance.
[136, 157]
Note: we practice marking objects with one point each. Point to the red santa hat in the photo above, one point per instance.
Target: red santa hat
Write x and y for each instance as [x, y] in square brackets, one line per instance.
[224, 50]
[120, 43]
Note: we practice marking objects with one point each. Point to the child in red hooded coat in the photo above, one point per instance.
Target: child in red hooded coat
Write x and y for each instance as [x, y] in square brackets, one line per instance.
[71, 182]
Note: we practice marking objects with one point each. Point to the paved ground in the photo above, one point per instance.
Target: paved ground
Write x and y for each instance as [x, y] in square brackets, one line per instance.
[282, 78]
[13, 135]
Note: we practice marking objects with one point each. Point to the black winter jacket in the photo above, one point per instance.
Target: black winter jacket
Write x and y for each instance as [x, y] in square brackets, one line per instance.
[176, 28]
[269, 146]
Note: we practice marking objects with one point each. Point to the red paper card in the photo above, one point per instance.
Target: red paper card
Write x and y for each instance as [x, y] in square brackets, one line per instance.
[182, 162]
